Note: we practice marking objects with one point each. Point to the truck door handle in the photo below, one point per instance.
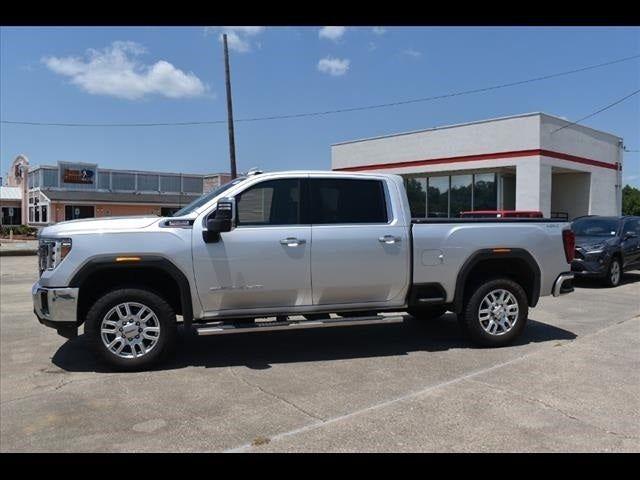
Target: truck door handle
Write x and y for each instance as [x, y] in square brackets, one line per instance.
[292, 242]
[389, 239]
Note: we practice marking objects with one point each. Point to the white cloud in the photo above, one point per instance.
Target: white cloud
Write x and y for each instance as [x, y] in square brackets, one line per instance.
[239, 39]
[116, 71]
[412, 53]
[334, 66]
[379, 30]
[332, 33]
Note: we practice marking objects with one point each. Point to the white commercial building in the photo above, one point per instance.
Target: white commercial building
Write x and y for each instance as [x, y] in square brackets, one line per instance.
[533, 161]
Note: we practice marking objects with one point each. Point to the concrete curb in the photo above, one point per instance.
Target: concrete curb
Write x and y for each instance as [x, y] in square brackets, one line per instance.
[17, 253]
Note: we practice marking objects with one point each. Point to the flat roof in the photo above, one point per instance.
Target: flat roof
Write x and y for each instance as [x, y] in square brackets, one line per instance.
[456, 125]
[117, 197]
[10, 193]
[33, 168]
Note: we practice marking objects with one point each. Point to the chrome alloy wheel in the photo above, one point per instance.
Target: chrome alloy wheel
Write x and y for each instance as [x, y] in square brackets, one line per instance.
[615, 272]
[130, 330]
[498, 312]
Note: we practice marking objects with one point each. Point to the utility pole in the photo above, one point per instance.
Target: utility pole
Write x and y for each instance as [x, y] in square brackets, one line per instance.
[232, 142]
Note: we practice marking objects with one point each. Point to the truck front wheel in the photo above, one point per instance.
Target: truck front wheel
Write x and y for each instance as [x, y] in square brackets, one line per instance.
[495, 313]
[131, 328]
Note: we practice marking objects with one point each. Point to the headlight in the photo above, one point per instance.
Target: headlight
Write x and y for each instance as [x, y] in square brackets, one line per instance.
[51, 251]
[594, 249]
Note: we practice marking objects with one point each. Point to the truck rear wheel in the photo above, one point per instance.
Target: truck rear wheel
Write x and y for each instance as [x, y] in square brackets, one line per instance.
[131, 329]
[495, 313]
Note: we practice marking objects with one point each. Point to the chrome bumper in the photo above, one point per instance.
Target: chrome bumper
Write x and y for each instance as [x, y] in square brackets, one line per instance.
[55, 306]
[559, 287]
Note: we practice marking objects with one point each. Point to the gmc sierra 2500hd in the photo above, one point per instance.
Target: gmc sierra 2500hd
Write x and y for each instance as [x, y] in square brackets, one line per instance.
[292, 243]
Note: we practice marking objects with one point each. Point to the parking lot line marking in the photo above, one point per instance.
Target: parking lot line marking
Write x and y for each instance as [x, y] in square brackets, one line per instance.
[410, 395]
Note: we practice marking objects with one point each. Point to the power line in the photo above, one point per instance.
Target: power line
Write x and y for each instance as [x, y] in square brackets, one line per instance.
[599, 111]
[330, 112]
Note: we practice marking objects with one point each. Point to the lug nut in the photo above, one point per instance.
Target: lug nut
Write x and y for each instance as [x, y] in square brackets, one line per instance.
[120, 328]
[137, 323]
[137, 336]
[140, 330]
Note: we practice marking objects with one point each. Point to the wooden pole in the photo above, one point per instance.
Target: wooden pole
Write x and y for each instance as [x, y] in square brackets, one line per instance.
[232, 142]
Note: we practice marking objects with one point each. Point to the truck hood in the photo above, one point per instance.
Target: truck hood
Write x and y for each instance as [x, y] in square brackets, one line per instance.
[93, 225]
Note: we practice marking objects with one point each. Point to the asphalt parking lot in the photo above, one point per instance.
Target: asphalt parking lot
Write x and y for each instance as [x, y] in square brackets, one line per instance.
[571, 383]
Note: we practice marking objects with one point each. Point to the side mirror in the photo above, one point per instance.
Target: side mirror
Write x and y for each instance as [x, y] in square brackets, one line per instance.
[221, 221]
[630, 234]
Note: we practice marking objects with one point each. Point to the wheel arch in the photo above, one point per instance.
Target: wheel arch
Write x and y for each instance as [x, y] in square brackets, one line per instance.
[514, 263]
[103, 273]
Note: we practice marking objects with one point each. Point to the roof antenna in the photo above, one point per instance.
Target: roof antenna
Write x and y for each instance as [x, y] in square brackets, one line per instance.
[254, 171]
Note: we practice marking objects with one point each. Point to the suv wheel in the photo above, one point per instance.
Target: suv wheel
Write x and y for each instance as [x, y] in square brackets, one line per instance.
[614, 274]
[131, 328]
[496, 313]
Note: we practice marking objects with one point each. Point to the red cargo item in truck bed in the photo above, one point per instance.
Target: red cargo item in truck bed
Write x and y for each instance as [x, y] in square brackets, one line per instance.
[502, 214]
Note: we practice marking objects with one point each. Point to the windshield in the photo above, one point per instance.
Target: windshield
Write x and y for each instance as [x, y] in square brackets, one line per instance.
[198, 202]
[595, 227]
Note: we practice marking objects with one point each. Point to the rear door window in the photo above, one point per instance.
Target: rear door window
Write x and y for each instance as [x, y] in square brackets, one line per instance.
[348, 201]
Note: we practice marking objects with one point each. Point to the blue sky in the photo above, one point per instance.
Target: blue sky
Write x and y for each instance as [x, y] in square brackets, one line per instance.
[161, 74]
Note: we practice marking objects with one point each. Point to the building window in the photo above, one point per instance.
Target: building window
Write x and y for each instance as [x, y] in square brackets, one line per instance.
[123, 181]
[169, 183]
[460, 194]
[485, 194]
[49, 177]
[447, 196]
[30, 214]
[192, 184]
[43, 216]
[104, 180]
[37, 215]
[417, 194]
[72, 212]
[148, 182]
[438, 197]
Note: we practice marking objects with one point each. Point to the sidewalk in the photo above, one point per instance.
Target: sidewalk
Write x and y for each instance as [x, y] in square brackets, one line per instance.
[18, 247]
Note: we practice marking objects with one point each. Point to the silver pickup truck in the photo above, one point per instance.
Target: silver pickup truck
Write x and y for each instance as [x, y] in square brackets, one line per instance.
[292, 250]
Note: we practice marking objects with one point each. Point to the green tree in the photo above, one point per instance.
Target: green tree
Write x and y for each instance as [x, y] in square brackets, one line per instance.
[630, 200]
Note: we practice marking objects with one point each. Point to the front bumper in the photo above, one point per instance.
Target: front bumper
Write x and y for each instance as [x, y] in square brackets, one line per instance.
[590, 265]
[563, 284]
[55, 307]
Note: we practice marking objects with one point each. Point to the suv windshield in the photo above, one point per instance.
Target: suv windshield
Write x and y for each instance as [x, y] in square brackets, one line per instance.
[595, 227]
[198, 202]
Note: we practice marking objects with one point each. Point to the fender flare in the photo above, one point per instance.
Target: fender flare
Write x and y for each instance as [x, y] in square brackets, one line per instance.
[104, 262]
[489, 254]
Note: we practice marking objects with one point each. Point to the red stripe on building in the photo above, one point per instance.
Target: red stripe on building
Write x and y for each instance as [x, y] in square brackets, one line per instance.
[485, 156]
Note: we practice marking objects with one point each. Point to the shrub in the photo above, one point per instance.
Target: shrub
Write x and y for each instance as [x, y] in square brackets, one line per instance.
[18, 230]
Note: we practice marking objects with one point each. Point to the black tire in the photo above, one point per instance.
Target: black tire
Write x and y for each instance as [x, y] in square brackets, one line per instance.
[166, 320]
[470, 317]
[427, 313]
[611, 280]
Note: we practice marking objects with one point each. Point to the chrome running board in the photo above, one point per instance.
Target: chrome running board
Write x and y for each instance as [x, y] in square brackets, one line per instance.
[222, 328]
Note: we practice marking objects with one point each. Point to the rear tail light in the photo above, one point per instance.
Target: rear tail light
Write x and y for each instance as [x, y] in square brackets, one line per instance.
[569, 242]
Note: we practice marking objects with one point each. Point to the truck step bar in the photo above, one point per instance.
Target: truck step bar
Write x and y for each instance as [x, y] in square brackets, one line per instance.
[223, 329]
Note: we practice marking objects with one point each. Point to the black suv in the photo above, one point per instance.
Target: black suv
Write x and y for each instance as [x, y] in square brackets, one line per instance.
[606, 247]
